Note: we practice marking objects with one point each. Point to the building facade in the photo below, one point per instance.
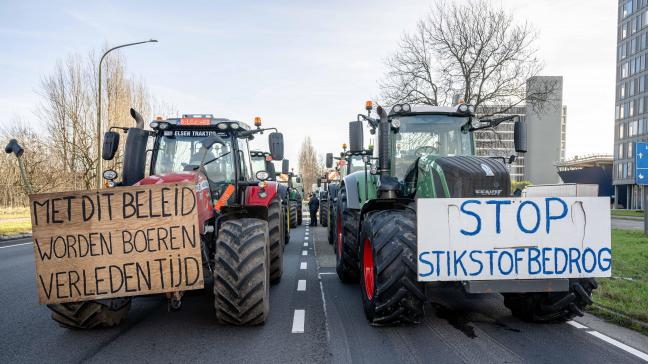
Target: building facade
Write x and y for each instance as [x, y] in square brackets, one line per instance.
[546, 134]
[631, 100]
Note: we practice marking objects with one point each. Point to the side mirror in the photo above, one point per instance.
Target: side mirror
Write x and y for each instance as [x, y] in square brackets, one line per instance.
[211, 140]
[356, 135]
[329, 160]
[285, 166]
[276, 143]
[270, 168]
[519, 136]
[110, 145]
[319, 183]
[15, 148]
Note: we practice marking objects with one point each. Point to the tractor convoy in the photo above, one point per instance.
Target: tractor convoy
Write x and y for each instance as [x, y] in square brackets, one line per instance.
[414, 210]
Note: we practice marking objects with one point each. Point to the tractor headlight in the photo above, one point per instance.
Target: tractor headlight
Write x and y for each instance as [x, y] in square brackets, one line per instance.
[463, 108]
[222, 126]
[234, 126]
[395, 123]
[397, 108]
[406, 108]
[109, 174]
[471, 109]
[154, 124]
[262, 175]
[163, 126]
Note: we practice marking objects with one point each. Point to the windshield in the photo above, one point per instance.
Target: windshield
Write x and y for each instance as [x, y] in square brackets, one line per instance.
[258, 164]
[421, 135]
[184, 148]
[356, 164]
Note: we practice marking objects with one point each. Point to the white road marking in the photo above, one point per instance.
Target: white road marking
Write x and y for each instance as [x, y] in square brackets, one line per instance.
[324, 273]
[577, 325]
[11, 246]
[303, 265]
[306, 238]
[305, 244]
[298, 321]
[328, 335]
[304, 252]
[620, 345]
[301, 285]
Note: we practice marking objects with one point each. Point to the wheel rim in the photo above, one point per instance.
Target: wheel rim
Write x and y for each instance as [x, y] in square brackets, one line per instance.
[338, 228]
[368, 269]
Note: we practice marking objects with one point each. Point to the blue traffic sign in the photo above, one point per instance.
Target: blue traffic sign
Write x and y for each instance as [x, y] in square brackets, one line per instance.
[641, 163]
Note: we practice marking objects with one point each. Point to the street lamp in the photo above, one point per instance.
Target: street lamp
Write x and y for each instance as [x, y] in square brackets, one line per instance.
[99, 105]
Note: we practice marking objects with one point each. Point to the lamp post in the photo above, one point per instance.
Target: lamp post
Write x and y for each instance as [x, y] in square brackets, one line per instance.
[98, 141]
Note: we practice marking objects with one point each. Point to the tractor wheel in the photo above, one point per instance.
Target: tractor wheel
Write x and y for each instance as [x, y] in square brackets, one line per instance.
[90, 314]
[346, 227]
[299, 212]
[332, 217]
[276, 242]
[390, 291]
[323, 213]
[241, 272]
[286, 224]
[552, 306]
[293, 215]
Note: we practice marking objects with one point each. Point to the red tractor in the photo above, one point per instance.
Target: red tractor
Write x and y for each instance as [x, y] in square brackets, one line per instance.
[240, 212]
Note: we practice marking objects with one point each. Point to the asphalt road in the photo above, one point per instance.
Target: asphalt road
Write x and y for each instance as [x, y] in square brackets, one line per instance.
[627, 223]
[457, 328]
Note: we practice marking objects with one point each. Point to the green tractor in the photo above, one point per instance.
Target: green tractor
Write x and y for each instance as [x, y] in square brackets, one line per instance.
[346, 164]
[296, 196]
[292, 192]
[424, 153]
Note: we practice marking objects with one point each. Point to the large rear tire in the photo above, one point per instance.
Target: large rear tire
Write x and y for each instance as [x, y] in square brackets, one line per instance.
[276, 242]
[90, 314]
[554, 306]
[331, 225]
[346, 247]
[323, 213]
[286, 223]
[293, 214]
[241, 273]
[391, 293]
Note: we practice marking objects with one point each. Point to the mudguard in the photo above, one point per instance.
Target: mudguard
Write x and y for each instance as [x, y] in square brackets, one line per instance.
[352, 195]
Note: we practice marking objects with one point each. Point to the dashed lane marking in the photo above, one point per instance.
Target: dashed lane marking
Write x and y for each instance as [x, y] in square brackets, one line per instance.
[298, 321]
[325, 273]
[301, 285]
[304, 252]
[11, 246]
[305, 244]
[303, 265]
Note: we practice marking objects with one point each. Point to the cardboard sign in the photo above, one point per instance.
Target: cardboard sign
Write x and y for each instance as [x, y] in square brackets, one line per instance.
[116, 242]
[514, 238]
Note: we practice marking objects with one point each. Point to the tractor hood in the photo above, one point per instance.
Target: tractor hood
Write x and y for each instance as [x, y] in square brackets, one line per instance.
[458, 176]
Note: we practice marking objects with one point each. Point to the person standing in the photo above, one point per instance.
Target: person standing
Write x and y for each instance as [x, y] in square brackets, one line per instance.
[313, 206]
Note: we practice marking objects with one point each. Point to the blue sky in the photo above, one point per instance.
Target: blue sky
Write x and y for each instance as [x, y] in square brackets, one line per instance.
[304, 66]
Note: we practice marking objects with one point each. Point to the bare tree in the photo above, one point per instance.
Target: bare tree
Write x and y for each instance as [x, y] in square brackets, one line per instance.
[471, 50]
[308, 165]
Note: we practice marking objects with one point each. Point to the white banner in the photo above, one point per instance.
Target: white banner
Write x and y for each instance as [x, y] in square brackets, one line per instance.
[463, 239]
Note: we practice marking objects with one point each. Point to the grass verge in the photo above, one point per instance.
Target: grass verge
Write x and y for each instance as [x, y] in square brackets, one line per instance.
[630, 213]
[14, 221]
[627, 291]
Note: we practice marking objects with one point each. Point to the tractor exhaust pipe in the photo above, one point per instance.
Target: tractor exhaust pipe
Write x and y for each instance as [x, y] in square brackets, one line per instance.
[383, 145]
